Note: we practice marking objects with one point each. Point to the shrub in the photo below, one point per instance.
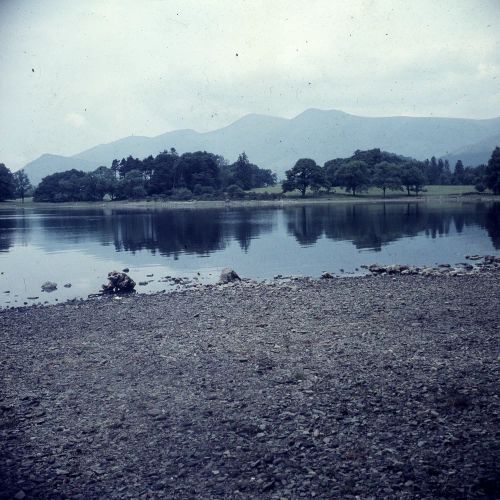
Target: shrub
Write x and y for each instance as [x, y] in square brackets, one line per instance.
[234, 191]
[181, 194]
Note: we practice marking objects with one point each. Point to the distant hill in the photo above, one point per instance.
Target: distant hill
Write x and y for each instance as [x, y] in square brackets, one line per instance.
[475, 154]
[277, 143]
[50, 164]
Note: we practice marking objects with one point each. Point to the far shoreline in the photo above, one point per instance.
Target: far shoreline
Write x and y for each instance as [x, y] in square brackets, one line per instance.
[236, 203]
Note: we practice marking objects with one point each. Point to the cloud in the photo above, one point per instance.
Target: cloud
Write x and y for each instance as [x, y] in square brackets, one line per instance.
[147, 67]
[75, 120]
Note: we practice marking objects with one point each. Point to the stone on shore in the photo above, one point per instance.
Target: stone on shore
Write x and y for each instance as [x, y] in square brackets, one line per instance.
[228, 275]
[49, 286]
[118, 283]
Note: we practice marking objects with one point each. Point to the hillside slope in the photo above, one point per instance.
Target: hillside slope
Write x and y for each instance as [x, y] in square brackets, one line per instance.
[277, 143]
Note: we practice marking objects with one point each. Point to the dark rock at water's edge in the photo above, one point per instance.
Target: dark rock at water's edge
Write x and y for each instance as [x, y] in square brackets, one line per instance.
[228, 275]
[118, 283]
[49, 286]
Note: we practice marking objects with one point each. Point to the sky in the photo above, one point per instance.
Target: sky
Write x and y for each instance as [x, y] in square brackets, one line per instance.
[81, 73]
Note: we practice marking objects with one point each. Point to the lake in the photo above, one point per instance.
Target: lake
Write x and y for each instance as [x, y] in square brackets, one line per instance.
[80, 246]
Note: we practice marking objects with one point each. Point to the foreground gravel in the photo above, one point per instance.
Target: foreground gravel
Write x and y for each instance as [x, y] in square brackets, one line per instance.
[361, 387]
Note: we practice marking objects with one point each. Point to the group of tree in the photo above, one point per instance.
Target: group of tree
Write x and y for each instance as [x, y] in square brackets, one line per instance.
[199, 174]
[13, 185]
[205, 175]
[388, 171]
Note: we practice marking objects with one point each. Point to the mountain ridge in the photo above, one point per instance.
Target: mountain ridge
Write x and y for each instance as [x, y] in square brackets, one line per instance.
[277, 143]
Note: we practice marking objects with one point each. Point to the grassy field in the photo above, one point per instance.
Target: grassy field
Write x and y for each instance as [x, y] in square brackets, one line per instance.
[377, 193]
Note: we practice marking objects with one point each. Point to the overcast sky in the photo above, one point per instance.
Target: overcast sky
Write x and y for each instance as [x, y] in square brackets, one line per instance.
[74, 74]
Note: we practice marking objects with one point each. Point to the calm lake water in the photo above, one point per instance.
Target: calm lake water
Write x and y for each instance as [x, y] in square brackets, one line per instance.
[80, 246]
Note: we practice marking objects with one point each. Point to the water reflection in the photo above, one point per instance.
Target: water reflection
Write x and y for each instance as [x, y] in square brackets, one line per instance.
[492, 224]
[202, 232]
[373, 226]
[167, 232]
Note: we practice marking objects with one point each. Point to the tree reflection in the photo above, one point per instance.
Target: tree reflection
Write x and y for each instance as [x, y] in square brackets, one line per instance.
[8, 226]
[168, 232]
[202, 232]
[492, 224]
[373, 226]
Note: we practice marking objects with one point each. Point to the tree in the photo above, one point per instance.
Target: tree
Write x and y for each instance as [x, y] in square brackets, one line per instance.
[103, 182]
[330, 169]
[492, 176]
[433, 172]
[131, 186]
[61, 186]
[22, 184]
[246, 174]
[458, 175]
[446, 177]
[243, 172]
[387, 176]
[7, 188]
[353, 176]
[306, 173]
[162, 177]
[197, 168]
[412, 178]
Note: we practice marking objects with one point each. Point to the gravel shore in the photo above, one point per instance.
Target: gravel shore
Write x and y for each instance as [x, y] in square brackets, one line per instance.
[381, 387]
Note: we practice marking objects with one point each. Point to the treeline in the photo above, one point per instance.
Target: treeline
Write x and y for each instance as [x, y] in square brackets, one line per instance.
[388, 171]
[168, 175]
[205, 175]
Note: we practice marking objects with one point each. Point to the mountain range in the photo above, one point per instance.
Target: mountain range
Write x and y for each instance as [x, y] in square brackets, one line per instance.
[277, 143]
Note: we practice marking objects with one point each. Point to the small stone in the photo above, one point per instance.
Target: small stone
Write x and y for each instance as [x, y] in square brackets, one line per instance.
[20, 495]
[125, 270]
[67, 285]
[326, 276]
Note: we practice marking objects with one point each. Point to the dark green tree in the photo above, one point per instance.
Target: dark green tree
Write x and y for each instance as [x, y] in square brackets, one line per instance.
[492, 177]
[305, 174]
[412, 178]
[458, 175]
[22, 184]
[243, 172]
[330, 169]
[353, 176]
[197, 168]
[132, 186]
[387, 176]
[104, 182]
[446, 178]
[7, 188]
[61, 186]
[162, 176]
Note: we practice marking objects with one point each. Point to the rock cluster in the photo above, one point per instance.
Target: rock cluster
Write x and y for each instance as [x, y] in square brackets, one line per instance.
[489, 263]
[118, 283]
